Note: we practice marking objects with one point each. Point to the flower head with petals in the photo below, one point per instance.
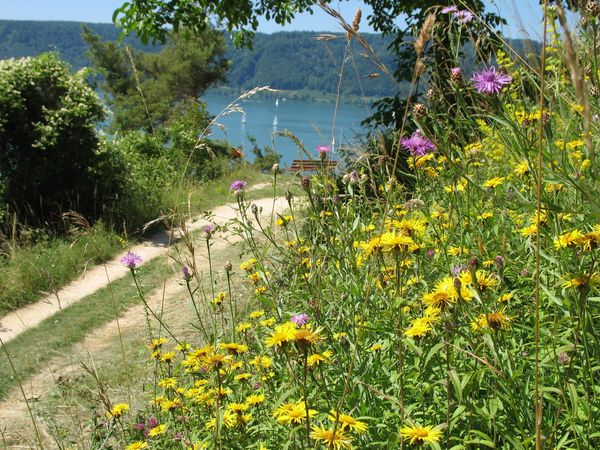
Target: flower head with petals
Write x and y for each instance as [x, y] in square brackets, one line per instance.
[238, 186]
[417, 144]
[300, 319]
[131, 260]
[490, 81]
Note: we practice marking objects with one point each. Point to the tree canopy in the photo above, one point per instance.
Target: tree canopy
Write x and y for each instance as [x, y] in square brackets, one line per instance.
[145, 90]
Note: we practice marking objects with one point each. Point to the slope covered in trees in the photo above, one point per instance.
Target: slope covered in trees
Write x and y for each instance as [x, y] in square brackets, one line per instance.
[314, 66]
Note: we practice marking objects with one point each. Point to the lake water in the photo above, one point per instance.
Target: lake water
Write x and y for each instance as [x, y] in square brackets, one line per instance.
[310, 121]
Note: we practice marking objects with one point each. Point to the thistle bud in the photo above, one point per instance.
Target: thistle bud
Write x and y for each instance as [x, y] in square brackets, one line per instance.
[473, 263]
[419, 110]
[305, 183]
[228, 267]
[592, 8]
[456, 75]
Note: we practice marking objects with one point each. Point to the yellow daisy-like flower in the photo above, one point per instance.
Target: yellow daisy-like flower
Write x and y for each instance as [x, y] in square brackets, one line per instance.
[157, 343]
[485, 215]
[293, 413]
[283, 221]
[348, 422]
[254, 277]
[583, 280]
[493, 183]
[119, 410]
[263, 362]
[521, 169]
[443, 295]
[219, 299]
[167, 357]
[398, 242]
[243, 376]
[376, 347]
[330, 438]
[157, 430]
[307, 337]
[249, 265]
[260, 290]
[244, 326]
[282, 334]
[168, 383]
[256, 314]
[170, 405]
[216, 360]
[496, 321]
[418, 328]
[229, 420]
[137, 445]
[234, 348]
[255, 399]
[529, 230]
[411, 227]
[237, 408]
[485, 280]
[318, 358]
[418, 435]
[569, 239]
[268, 322]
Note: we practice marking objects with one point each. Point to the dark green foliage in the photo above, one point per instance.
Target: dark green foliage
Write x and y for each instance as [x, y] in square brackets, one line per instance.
[265, 157]
[50, 155]
[147, 90]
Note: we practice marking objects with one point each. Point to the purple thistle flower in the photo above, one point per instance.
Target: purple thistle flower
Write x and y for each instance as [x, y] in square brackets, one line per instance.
[208, 230]
[449, 9]
[187, 276]
[457, 269]
[300, 319]
[417, 144]
[323, 151]
[131, 260]
[490, 81]
[237, 186]
[463, 16]
[152, 422]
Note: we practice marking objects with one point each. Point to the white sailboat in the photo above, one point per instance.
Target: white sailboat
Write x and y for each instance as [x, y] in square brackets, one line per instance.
[275, 122]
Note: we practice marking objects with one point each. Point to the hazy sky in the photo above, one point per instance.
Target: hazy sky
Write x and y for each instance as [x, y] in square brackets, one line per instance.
[523, 15]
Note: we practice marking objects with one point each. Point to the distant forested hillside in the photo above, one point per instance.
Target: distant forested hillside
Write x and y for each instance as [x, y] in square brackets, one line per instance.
[291, 61]
[19, 38]
[297, 60]
[285, 60]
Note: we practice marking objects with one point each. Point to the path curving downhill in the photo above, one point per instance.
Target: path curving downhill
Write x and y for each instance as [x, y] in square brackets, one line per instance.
[17, 322]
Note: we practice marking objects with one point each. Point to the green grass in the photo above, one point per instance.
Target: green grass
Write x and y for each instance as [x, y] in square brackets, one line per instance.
[30, 271]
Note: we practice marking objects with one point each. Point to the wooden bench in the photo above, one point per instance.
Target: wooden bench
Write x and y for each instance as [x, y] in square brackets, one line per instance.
[312, 165]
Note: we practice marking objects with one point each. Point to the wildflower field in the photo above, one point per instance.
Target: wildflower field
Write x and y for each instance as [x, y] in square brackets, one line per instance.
[440, 294]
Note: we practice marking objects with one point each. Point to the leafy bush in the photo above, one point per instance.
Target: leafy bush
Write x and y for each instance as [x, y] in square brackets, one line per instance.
[265, 157]
[50, 159]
